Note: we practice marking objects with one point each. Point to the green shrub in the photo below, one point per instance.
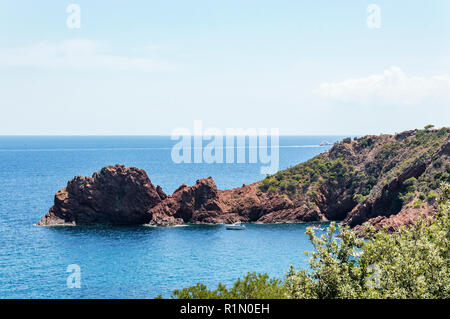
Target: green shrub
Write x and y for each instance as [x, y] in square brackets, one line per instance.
[442, 132]
[252, 286]
[431, 196]
[407, 196]
[347, 140]
[410, 184]
[292, 185]
[313, 194]
[279, 175]
[417, 203]
[365, 142]
[359, 198]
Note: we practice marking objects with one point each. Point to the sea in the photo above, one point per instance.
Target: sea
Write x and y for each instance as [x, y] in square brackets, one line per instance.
[131, 262]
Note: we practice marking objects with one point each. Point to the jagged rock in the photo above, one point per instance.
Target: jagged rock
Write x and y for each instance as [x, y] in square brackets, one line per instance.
[160, 192]
[195, 204]
[115, 196]
[407, 216]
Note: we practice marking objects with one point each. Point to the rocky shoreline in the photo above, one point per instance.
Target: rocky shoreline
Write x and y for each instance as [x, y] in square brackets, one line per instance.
[364, 180]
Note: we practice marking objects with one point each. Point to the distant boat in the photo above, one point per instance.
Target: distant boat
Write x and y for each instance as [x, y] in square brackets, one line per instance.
[325, 143]
[235, 226]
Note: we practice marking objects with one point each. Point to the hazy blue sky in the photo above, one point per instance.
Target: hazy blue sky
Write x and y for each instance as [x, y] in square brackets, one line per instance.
[148, 67]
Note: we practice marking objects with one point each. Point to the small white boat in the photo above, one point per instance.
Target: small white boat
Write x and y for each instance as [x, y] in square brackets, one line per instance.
[325, 143]
[235, 226]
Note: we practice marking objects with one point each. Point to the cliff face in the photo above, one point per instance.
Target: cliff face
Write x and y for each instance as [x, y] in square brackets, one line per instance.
[415, 165]
[387, 180]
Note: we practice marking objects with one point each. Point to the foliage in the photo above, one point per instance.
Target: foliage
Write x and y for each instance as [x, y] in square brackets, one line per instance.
[313, 172]
[252, 286]
[432, 196]
[360, 198]
[418, 203]
[366, 142]
[412, 263]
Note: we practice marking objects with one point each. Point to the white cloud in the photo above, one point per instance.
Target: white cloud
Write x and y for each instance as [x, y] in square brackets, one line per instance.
[74, 54]
[392, 86]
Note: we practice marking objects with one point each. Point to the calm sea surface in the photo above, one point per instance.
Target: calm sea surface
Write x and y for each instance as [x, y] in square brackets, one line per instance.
[129, 262]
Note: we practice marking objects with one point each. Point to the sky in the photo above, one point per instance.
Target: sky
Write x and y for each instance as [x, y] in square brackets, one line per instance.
[150, 67]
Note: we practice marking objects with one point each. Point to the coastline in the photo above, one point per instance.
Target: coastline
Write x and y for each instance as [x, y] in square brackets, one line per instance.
[348, 183]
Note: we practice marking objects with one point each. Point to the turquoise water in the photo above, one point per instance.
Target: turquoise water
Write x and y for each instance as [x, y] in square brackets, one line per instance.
[129, 262]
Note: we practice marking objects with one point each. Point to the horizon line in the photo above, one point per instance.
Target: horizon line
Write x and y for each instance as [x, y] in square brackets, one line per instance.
[159, 135]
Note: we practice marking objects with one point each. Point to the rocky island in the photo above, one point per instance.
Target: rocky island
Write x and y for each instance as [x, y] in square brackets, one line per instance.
[386, 180]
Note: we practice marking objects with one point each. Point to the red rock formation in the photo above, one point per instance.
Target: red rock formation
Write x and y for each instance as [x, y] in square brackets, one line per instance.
[203, 203]
[195, 204]
[115, 196]
[407, 216]
[248, 204]
[125, 196]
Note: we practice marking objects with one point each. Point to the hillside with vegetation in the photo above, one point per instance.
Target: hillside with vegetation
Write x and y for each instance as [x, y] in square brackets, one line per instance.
[410, 263]
[388, 178]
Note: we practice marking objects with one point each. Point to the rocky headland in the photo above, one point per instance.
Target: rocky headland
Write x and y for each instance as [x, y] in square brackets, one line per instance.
[386, 180]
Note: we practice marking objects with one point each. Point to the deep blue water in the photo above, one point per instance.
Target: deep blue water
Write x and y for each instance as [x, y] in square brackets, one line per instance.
[131, 262]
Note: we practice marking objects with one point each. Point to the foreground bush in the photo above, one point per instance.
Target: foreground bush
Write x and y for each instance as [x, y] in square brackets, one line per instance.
[412, 263]
[253, 286]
